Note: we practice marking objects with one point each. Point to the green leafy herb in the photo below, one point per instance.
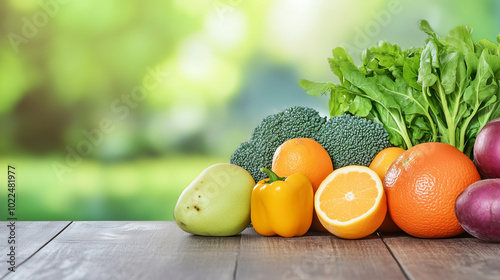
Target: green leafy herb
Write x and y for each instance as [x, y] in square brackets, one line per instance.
[445, 91]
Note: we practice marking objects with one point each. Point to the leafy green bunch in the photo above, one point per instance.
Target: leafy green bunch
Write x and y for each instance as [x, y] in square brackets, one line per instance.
[445, 91]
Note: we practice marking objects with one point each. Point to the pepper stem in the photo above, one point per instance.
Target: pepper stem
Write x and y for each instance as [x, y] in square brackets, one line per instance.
[272, 176]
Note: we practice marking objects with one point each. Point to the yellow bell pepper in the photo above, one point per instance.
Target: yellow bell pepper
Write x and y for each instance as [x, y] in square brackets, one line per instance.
[282, 206]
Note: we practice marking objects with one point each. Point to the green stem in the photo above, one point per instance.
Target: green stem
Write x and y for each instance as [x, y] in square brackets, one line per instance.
[431, 122]
[467, 121]
[461, 147]
[272, 176]
[424, 93]
[433, 110]
[450, 122]
[456, 107]
[405, 136]
[433, 126]
[455, 113]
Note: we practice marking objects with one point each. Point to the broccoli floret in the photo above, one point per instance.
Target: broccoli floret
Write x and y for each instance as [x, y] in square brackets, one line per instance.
[251, 155]
[352, 140]
[294, 122]
[349, 140]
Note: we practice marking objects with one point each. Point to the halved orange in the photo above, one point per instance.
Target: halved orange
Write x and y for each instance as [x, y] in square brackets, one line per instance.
[350, 202]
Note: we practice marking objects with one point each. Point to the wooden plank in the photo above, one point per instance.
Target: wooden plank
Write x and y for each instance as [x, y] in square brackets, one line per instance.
[29, 237]
[132, 250]
[462, 257]
[318, 256]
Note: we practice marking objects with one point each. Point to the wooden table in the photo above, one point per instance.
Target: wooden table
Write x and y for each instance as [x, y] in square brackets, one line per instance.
[160, 250]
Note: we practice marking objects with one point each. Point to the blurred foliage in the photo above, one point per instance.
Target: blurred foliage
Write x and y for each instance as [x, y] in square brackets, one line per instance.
[141, 190]
[210, 70]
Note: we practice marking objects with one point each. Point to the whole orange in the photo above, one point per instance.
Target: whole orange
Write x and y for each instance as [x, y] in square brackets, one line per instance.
[380, 164]
[422, 186]
[303, 155]
[307, 156]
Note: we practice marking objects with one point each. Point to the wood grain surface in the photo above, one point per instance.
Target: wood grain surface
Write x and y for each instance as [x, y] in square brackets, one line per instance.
[30, 237]
[160, 250]
[462, 257]
[314, 256]
[132, 250]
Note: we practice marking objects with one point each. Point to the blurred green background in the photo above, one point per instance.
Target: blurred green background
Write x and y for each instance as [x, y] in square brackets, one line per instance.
[109, 109]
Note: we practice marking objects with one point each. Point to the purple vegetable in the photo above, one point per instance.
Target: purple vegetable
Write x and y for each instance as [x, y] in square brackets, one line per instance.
[487, 150]
[478, 209]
